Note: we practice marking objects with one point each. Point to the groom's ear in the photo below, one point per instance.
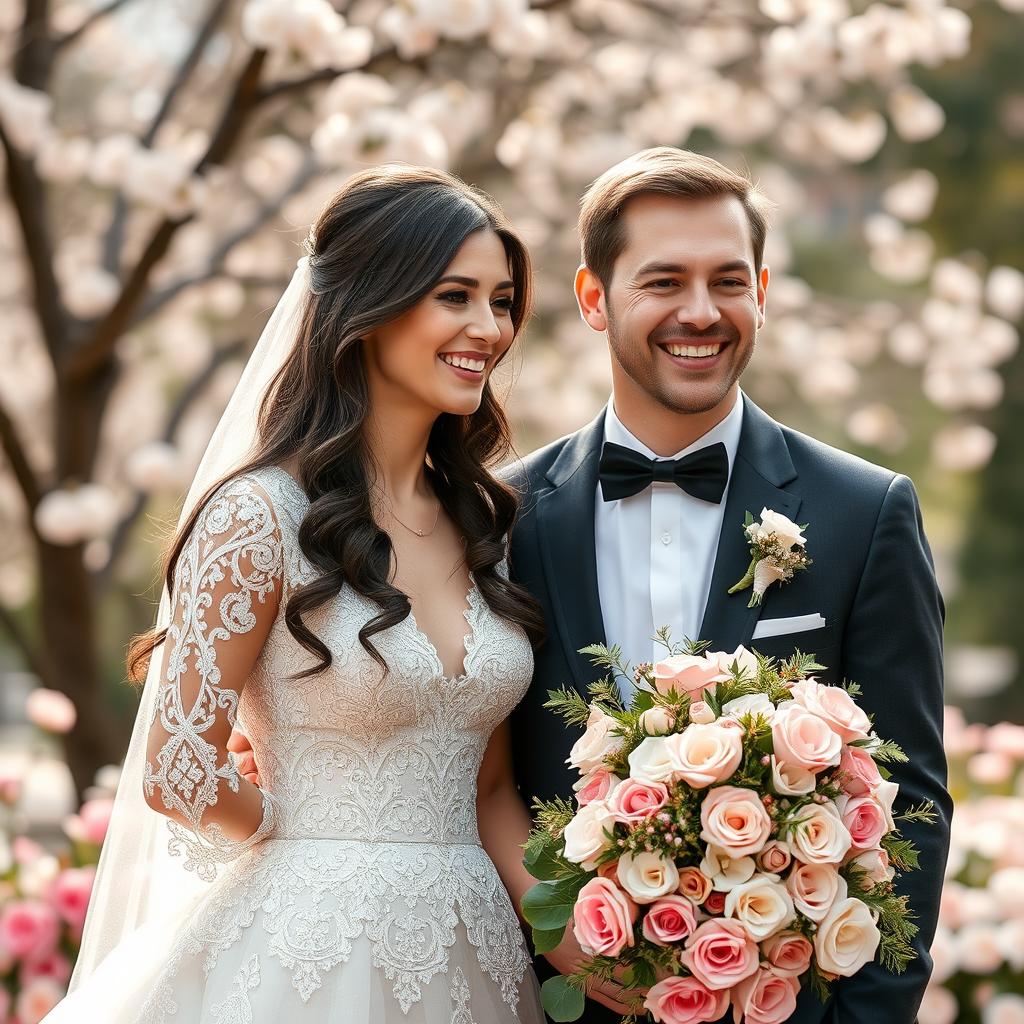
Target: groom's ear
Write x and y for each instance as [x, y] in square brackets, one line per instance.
[591, 299]
[762, 296]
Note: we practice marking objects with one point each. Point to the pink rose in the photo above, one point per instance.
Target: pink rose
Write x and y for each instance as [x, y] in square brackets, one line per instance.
[774, 858]
[684, 1001]
[70, 895]
[694, 884]
[595, 786]
[788, 952]
[603, 918]
[876, 864]
[50, 710]
[865, 821]
[734, 819]
[767, 997]
[1005, 738]
[803, 739]
[720, 953]
[705, 754]
[10, 791]
[860, 773]
[715, 903]
[90, 824]
[28, 929]
[633, 801]
[835, 706]
[687, 673]
[36, 1000]
[670, 919]
[814, 888]
[55, 966]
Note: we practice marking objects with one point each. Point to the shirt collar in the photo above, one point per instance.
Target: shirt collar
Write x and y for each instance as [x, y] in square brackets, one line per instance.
[727, 431]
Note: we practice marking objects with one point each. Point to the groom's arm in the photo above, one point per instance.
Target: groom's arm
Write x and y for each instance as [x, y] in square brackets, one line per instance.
[892, 646]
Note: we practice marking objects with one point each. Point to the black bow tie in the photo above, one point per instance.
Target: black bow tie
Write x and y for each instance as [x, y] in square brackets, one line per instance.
[624, 472]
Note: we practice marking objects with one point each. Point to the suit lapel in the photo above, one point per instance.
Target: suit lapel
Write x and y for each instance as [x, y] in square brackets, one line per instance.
[565, 525]
[762, 467]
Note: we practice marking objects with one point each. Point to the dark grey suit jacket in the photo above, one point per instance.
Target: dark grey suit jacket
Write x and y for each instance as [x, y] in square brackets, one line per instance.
[872, 580]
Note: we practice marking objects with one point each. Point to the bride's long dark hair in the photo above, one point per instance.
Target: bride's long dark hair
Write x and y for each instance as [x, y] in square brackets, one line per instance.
[376, 250]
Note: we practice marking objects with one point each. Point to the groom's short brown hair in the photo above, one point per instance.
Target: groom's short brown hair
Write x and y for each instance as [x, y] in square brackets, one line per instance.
[665, 171]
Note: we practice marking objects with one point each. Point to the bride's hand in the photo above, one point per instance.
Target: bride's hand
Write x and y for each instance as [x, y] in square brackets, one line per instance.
[239, 745]
[567, 956]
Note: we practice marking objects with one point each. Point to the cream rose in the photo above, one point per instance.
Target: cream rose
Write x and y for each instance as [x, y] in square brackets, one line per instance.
[745, 661]
[704, 754]
[846, 939]
[652, 761]
[686, 673]
[876, 864]
[725, 871]
[820, 837]
[734, 819]
[803, 739]
[657, 721]
[752, 703]
[701, 713]
[791, 779]
[814, 888]
[787, 533]
[761, 905]
[585, 838]
[599, 740]
[833, 705]
[647, 876]
[775, 857]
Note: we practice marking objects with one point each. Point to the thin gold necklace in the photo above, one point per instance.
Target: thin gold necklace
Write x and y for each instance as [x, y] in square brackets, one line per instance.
[412, 529]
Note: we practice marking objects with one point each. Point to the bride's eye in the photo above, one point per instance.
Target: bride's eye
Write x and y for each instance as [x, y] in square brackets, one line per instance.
[458, 298]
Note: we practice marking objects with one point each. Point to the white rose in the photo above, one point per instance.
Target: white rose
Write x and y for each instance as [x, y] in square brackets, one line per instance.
[585, 838]
[846, 939]
[704, 754]
[657, 721]
[885, 792]
[752, 704]
[701, 713]
[821, 837]
[761, 905]
[651, 761]
[724, 871]
[815, 888]
[590, 750]
[746, 661]
[876, 864]
[787, 533]
[791, 779]
[646, 876]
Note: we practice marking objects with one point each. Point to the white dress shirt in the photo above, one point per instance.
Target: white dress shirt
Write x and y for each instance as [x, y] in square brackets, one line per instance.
[656, 550]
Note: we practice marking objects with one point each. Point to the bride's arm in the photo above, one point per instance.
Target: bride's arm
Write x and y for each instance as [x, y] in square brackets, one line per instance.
[225, 599]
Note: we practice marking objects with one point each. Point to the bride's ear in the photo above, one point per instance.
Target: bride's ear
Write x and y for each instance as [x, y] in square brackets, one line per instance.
[590, 298]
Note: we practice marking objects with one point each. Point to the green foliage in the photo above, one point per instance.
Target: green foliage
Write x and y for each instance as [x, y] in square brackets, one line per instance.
[569, 704]
[561, 999]
[549, 905]
[925, 811]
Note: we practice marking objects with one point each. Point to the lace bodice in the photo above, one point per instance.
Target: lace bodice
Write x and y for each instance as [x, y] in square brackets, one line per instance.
[372, 776]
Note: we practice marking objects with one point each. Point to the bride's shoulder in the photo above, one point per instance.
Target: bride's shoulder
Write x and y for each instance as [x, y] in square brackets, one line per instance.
[273, 484]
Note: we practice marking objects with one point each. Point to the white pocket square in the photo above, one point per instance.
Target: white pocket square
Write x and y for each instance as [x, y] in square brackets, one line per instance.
[794, 624]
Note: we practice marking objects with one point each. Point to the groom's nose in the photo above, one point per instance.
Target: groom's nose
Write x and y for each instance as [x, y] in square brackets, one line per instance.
[698, 308]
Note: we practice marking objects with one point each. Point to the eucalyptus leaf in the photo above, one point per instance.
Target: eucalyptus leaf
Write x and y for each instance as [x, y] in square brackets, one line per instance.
[561, 1001]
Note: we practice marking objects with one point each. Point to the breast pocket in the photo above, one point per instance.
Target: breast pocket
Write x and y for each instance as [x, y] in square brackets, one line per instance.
[822, 642]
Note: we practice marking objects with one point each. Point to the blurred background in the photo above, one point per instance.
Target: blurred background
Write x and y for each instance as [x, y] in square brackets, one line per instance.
[162, 161]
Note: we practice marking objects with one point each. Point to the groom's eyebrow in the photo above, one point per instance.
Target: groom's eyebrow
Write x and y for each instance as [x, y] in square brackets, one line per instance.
[661, 267]
[472, 282]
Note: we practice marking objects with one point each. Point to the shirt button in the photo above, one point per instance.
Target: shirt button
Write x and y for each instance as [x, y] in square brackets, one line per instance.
[666, 538]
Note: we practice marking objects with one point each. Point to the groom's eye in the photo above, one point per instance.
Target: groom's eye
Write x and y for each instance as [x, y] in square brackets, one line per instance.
[663, 282]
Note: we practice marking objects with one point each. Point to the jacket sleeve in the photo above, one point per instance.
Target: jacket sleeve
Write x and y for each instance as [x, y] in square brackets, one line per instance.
[892, 646]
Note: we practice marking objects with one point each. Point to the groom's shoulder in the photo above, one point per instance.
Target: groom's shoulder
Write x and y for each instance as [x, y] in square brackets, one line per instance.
[529, 473]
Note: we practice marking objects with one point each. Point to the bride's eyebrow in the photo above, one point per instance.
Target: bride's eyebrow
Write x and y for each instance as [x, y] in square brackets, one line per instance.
[472, 282]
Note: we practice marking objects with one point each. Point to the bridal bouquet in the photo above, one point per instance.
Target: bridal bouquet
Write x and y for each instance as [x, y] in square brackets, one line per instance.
[734, 838]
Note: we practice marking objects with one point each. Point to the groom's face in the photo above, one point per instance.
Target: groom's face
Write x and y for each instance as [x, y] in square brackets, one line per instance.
[684, 303]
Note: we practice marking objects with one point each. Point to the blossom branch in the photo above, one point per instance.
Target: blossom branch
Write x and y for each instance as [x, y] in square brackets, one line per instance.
[30, 654]
[20, 466]
[98, 15]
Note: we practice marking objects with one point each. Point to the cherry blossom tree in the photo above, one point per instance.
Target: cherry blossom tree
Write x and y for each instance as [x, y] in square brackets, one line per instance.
[162, 161]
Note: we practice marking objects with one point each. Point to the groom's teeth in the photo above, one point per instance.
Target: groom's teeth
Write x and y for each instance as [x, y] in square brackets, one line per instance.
[465, 363]
[694, 351]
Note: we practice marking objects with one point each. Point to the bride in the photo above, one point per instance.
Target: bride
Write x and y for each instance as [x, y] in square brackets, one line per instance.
[337, 586]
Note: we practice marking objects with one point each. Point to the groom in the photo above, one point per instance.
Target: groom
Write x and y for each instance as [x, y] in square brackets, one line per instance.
[635, 521]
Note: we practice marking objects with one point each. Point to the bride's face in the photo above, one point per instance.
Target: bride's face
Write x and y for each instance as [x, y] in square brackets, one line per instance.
[439, 354]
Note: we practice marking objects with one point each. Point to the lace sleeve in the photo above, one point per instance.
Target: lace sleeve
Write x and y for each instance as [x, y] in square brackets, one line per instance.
[226, 596]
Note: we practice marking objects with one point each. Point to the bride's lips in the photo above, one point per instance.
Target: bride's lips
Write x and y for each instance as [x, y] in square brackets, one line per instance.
[465, 373]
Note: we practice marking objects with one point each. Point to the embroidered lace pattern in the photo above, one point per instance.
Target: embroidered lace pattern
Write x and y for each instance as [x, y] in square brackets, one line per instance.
[231, 560]
[374, 778]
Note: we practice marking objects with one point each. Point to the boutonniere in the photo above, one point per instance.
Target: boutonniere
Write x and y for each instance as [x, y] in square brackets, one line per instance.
[776, 553]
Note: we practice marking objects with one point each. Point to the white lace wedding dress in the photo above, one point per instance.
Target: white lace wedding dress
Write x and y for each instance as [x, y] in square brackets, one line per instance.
[372, 901]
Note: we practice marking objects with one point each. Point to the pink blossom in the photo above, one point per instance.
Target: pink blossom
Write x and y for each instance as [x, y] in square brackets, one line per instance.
[50, 710]
[26, 850]
[54, 966]
[603, 918]
[990, 768]
[5, 1004]
[37, 999]
[669, 919]
[685, 1001]
[29, 929]
[90, 824]
[70, 895]
[1006, 738]
[633, 801]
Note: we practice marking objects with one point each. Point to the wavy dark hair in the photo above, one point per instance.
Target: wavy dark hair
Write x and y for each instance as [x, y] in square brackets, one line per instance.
[377, 249]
